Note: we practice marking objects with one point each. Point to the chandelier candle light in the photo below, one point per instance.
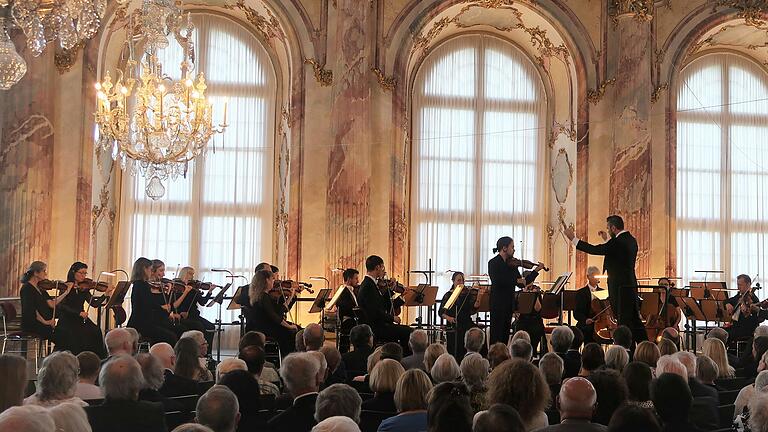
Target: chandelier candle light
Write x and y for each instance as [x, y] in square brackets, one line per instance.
[156, 125]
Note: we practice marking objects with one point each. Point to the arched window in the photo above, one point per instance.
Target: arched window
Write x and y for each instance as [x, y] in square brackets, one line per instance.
[722, 168]
[220, 215]
[478, 155]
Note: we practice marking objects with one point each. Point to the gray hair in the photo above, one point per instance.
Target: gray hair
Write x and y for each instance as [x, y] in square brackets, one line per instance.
[616, 357]
[116, 338]
[135, 336]
[58, 377]
[151, 370]
[718, 333]
[445, 369]
[70, 417]
[706, 369]
[592, 270]
[228, 365]
[299, 372]
[562, 338]
[670, 364]
[474, 370]
[521, 349]
[338, 400]
[761, 330]
[474, 339]
[761, 381]
[121, 378]
[688, 359]
[758, 412]
[418, 341]
[551, 366]
[192, 427]
[27, 418]
[218, 409]
[197, 335]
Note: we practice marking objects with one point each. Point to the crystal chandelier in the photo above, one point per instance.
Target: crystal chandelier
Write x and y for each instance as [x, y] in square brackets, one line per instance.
[12, 65]
[152, 124]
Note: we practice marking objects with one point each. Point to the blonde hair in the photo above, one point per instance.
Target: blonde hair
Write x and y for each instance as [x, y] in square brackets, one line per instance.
[616, 357]
[520, 334]
[373, 358]
[385, 375]
[666, 347]
[715, 349]
[69, 417]
[648, 353]
[519, 384]
[445, 369]
[186, 273]
[13, 369]
[433, 351]
[412, 390]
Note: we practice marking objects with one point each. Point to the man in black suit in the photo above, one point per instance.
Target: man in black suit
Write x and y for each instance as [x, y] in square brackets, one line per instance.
[356, 361]
[504, 281]
[583, 310]
[300, 374]
[121, 379]
[744, 324]
[173, 385]
[376, 306]
[620, 252]
[346, 305]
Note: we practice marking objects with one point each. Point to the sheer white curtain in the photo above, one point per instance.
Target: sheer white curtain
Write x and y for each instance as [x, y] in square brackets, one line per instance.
[479, 160]
[220, 215]
[722, 168]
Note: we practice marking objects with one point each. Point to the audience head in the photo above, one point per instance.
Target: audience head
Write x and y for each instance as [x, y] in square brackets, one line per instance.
[666, 347]
[519, 384]
[299, 373]
[412, 391]
[338, 400]
[187, 354]
[254, 358]
[474, 339]
[314, 337]
[632, 418]
[449, 408]
[121, 378]
[648, 353]
[520, 334]
[27, 418]
[119, 341]
[616, 358]
[445, 369]
[151, 370]
[418, 341]
[199, 338]
[89, 364]
[761, 330]
[497, 354]
[758, 412]
[373, 358]
[761, 381]
[669, 364]
[134, 340]
[474, 370]
[13, 369]
[673, 335]
[322, 371]
[383, 378]
[551, 367]
[611, 393]
[671, 397]
[245, 387]
[165, 353]
[718, 333]
[218, 409]
[252, 337]
[299, 341]
[521, 349]
[562, 337]
[577, 399]
[191, 427]
[57, 378]
[433, 351]
[688, 359]
[336, 424]
[392, 350]
[707, 370]
[499, 418]
[361, 336]
[332, 358]
[578, 338]
[714, 348]
[623, 336]
[638, 377]
[70, 417]
[592, 357]
[759, 347]
[228, 365]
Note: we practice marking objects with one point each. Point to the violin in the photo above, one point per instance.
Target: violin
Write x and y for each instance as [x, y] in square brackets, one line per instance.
[285, 286]
[517, 262]
[746, 305]
[89, 284]
[393, 285]
[47, 285]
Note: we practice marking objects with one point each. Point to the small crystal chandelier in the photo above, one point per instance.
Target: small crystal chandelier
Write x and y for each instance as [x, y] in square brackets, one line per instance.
[69, 21]
[12, 65]
[154, 125]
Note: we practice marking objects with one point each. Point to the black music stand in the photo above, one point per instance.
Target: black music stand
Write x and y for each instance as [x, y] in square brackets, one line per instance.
[420, 296]
[116, 299]
[233, 304]
[318, 304]
[526, 302]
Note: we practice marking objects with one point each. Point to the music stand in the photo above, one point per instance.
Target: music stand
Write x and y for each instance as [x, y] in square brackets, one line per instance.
[485, 300]
[117, 298]
[651, 304]
[420, 296]
[335, 297]
[233, 304]
[457, 290]
[526, 301]
[715, 290]
[318, 304]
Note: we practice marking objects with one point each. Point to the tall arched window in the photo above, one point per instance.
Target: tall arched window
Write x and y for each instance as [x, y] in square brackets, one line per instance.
[722, 168]
[220, 214]
[478, 155]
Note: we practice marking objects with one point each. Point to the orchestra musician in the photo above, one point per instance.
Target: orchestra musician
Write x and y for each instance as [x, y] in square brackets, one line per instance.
[37, 306]
[78, 333]
[505, 278]
[266, 313]
[583, 309]
[151, 315]
[459, 315]
[532, 323]
[243, 300]
[672, 310]
[188, 305]
[347, 303]
[377, 308]
[620, 252]
[743, 310]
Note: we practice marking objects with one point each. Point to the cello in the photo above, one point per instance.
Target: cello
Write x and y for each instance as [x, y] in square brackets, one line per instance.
[603, 319]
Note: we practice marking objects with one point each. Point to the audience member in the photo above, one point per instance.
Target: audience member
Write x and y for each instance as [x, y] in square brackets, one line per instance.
[520, 334]
[703, 410]
[758, 406]
[722, 335]
[322, 372]
[254, 358]
[474, 339]
[633, 418]
[187, 361]
[28, 418]
[173, 385]
[449, 409]
[433, 351]
[761, 330]
[497, 354]
[299, 372]
[446, 369]
[648, 353]
[622, 336]
[638, 376]
[336, 372]
[474, 373]
[257, 338]
[121, 379]
[57, 381]
[247, 390]
[336, 424]
[218, 409]
[672, 335]
[616, 358]
[411, 395]
[499, 418]
[592, 358]
[299, 341]
[551, 368]
[202, 344]
[578, 339]
[520, 384]
[521, 349]
[13, 369]
[119, 341]
[576, 404]
[383, 382]
[666, 347]
[611, 394]
[748, 392]
[749, 362]
[672, 399]
[135, 336]
[228, 365]
[418, 343]
[561, 339]
[338, 400]
[707, 371]
[152, 372]
[89, 364]
[70, 417]
[669, 364]
[314, 337]
[392, 350]
[361, 339]
[191, 427]
[688, 359]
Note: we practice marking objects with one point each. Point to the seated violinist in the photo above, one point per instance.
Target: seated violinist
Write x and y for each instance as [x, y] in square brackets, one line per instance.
[188, 302]
[744, 311]
[377, 307]
[672, 312]
[532, 322]
[583, 310]
[267, 310]
[347, 301]
[459, 315]
[150, 313]
[78, 333]
[37, 306]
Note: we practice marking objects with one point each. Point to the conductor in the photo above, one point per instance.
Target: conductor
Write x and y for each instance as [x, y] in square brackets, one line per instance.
[620, 252]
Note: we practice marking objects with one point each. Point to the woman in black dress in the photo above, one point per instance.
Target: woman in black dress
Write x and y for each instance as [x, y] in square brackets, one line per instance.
[459, 315]
[267, 315]
[37, 306]
[78, 333]
[150, 314]
[188, 302]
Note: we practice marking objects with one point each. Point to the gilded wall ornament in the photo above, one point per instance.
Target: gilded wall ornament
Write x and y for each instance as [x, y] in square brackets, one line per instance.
[64, 59]
[641, 10]
[323, 76]
[268, 26]
[754, 12]
[657, 92]
[596, 95]
[387, 83]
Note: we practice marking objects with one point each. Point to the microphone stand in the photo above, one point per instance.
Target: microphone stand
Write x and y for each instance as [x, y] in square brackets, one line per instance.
[219, 323]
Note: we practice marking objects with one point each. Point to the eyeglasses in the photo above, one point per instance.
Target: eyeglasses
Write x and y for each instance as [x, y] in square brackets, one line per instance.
[82, 272]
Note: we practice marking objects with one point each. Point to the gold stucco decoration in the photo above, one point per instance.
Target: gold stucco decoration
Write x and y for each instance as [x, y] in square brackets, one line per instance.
[596, 95]
[641, 10]
[657, 92]
[64, 59]
[754, 12]
[388, 83]
[323, 76]
[268, 26]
